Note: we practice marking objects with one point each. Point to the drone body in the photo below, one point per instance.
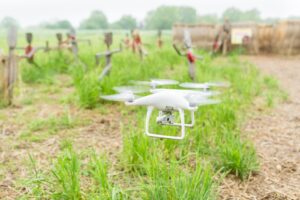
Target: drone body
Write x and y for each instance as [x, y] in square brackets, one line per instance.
[163, 101]
[167, 101]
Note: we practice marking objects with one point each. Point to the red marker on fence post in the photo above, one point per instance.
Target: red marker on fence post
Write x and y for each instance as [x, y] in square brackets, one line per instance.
[191, 57]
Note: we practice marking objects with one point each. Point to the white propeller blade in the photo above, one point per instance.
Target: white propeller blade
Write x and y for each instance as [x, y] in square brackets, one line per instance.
[196, 100]
[218, 84]
[157, 82]
[187, 92]
[207, 102]
[131, 89]
[123, 97]
[164, 82]
[194, 85]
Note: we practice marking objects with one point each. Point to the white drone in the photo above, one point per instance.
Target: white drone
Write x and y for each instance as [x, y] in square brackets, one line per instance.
[167, 101]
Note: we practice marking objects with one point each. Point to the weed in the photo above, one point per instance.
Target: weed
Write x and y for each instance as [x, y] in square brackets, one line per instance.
[67, 176]
[40, 129]
[236, 156]
[179, 184]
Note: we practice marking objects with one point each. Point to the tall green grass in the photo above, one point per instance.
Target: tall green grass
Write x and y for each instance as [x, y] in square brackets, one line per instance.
[70, 176]
[171, 183]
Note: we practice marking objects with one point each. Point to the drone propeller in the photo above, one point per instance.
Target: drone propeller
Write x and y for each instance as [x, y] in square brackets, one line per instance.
[124, 97]
[218, 84]
[203, 102]
[131, 89]
[188, 92]
[194, 85]
[164, 81]
[157, 82]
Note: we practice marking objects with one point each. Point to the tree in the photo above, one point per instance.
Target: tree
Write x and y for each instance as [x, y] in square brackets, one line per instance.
[61, 24]
[271, 20]
[236, 15]
[165, 16]
[294, 17]
[126, 22]
[7, 22]
[210, 18]
[252, 15]
[187, 15]
[97, 20]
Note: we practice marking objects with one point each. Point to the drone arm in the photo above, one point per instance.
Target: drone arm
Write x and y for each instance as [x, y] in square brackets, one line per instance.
[147, 132]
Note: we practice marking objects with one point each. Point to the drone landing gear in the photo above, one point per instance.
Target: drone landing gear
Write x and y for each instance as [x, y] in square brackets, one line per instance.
[166, 119]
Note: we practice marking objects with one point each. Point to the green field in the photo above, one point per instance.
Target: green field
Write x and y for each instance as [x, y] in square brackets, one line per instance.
[75, 146]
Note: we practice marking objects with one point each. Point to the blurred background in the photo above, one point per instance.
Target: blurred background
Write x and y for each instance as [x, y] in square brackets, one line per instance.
[113, 14]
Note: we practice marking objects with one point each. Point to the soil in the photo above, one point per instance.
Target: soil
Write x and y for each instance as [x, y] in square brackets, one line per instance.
[276, 137]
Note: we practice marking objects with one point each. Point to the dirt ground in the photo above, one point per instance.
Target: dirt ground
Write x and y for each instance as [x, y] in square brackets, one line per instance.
[15, 151]
[276, 136]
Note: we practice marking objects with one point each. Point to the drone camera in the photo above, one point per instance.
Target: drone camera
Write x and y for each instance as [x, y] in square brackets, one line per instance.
[165, 118]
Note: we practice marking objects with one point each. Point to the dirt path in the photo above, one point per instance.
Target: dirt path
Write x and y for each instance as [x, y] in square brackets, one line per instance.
[276, 136]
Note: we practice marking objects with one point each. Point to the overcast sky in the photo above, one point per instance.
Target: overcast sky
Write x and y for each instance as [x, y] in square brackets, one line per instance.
[31, 12]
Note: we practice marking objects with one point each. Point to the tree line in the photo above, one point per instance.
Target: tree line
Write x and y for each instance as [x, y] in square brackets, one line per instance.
[162, 17]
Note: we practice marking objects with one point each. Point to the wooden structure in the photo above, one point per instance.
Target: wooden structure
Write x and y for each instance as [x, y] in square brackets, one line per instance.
[287, 37]
[265, 39]
[30, 50]
[280, 38]
[202, 35]
[108, 54]
[251, 43]
[71, 44]
[9, 69]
